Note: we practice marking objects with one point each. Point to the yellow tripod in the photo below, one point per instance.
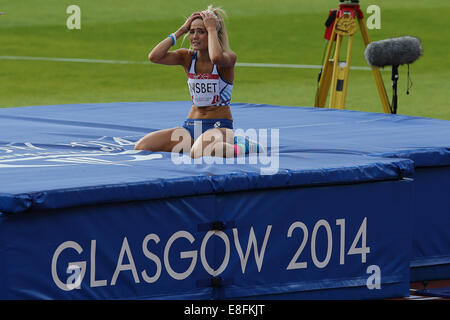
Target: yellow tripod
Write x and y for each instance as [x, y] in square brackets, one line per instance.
[335, 72]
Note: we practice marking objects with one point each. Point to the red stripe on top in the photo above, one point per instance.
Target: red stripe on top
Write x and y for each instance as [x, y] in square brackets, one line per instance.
[203, 76]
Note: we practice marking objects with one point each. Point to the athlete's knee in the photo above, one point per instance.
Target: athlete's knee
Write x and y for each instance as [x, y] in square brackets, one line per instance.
[223, 149]
[139, 145]
[196, 152]
[144, 144]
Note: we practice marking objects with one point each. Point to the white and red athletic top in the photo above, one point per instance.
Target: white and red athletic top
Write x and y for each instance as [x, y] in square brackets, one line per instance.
[208, 89]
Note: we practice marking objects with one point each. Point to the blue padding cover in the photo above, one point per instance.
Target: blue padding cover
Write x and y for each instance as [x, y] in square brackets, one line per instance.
[64, 157]
[430, 258]
[424, 140]
[70, 155]
[325, 242]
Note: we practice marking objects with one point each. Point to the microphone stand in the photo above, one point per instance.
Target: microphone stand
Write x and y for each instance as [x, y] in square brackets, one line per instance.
[394, 88]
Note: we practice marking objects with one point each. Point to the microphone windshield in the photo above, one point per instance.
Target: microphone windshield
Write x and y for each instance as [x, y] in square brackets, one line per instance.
[393, 52]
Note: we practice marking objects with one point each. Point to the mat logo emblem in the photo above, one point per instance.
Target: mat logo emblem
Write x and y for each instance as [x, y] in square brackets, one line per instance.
[105, 151]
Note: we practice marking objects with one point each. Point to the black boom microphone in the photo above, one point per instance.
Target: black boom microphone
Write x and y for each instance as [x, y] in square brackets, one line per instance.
[393, 52]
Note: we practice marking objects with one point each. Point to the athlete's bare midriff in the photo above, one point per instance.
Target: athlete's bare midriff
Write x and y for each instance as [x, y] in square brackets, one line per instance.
[210, 112]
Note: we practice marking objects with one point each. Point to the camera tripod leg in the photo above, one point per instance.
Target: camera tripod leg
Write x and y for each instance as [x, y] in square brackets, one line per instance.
[335, 73]
[340, 75]
[324, 84]
[325, 75]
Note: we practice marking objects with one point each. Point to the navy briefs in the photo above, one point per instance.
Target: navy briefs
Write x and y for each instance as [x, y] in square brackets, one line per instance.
[198, 126]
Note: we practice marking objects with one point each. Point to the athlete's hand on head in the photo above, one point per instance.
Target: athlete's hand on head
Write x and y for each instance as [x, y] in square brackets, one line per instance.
[187, 25]
[209, 19]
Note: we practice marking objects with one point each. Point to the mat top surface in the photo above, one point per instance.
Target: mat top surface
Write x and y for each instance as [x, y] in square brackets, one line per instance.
[425, 140]
[60, 156]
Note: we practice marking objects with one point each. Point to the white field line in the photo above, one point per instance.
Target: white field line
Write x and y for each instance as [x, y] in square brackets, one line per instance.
[238, 64]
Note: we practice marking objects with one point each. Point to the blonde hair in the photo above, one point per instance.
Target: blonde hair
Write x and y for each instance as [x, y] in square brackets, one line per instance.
[222, 34]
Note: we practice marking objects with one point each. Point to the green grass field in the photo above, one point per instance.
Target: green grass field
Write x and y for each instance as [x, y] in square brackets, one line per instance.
[261, 31]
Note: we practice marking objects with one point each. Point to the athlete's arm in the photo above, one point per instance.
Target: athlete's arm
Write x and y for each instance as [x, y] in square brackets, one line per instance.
[161, 54]
[218, 56]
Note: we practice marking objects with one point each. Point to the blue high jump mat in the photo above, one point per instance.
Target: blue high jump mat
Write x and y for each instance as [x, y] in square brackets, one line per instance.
[331, 211]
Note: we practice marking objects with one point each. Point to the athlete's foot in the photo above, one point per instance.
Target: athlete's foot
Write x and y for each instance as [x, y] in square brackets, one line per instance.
[243, 145]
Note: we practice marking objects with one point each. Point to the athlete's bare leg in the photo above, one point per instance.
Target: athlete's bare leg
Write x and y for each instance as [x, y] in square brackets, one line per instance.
[175, 139]
[215, 142]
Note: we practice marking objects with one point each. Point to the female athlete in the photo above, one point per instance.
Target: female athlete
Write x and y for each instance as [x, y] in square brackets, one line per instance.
[209, 66]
